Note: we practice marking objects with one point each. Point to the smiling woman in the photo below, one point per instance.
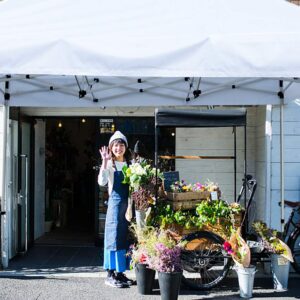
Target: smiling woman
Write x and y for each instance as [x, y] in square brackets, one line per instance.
[116, 226]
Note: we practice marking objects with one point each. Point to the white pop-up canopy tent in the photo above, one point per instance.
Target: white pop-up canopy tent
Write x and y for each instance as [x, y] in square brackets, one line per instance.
[128, 53]
[232, 52]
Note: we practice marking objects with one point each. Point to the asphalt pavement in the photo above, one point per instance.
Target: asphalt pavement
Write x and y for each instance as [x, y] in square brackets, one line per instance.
[81, 288]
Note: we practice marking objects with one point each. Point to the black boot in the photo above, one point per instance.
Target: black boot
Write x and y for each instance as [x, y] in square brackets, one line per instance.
[112, 280]
[122, 277]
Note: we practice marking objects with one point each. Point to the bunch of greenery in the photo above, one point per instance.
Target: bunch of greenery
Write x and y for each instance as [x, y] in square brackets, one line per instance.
[212, 211]
[163, 215]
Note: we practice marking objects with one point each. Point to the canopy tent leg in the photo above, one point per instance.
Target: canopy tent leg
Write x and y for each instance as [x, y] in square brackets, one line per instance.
[3, 203]
[281, 96]
[282, 164]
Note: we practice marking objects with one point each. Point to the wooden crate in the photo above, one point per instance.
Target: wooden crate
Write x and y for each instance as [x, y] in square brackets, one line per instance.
[188, 196]
[184, 204]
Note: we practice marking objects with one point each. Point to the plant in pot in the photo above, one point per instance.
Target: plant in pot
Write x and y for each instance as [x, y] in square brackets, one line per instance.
[140, 254]
[280, 253]
[143, 183]
[48, 220]
[167, 262]
[237, 247]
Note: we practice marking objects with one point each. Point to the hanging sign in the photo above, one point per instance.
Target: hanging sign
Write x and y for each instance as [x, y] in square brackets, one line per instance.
[106, 125]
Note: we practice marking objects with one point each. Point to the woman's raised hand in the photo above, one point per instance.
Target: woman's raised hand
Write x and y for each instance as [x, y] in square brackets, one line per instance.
[105, 153]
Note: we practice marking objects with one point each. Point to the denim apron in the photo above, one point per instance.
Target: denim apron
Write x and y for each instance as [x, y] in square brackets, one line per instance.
[116, 225]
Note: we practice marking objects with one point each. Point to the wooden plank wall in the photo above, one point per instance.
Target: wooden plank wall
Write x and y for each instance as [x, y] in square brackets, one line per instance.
[216, 141]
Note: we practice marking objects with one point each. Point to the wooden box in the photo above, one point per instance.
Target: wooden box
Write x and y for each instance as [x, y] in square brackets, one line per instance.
[188, 196]
[184, 204]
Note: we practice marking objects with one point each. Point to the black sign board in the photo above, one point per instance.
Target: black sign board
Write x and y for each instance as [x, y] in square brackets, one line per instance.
[169, 179]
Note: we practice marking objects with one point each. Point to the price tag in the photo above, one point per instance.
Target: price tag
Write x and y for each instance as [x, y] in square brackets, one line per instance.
[282, 261]
[214, 195]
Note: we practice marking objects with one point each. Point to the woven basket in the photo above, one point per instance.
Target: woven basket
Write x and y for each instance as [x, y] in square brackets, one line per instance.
[188, 196]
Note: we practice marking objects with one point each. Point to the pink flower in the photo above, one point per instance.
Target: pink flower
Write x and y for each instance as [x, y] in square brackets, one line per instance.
[143, 258]
[227, 247]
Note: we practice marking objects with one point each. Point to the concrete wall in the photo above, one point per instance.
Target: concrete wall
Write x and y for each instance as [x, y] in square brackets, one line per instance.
[291, 157]
[216, 141]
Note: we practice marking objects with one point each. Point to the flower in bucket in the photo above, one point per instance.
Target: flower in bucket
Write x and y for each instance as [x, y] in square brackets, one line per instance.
[167, 254]
[271, 241]
[142, 181]
[144, 246]
[238, 249]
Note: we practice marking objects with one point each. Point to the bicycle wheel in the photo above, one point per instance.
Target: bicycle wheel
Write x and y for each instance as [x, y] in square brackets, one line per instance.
[294, 244]
[205, 263]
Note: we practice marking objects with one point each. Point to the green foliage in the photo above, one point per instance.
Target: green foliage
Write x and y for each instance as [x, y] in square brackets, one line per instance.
[211, 211]
[207, 212]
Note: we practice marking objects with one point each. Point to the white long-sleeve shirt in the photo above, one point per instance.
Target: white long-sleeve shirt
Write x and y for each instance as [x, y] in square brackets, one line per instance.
[107, 175]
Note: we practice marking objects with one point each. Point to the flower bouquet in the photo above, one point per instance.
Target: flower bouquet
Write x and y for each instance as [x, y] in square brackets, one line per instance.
[281, 255]
[240, 253]
[238, 249]
[271, 241]
[142, 181]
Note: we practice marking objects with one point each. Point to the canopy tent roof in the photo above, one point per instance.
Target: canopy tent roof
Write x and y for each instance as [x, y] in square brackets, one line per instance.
[170, 38]
[204, 118]
[116, 53]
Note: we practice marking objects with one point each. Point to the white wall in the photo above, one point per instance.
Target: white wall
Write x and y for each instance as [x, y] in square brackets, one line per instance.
[39, 184]
[216, 141]
[291, 157]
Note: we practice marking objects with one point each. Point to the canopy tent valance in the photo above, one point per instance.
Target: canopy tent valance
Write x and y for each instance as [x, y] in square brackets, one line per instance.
[200, 118]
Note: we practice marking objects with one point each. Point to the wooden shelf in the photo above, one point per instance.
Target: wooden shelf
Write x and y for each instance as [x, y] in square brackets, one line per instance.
[194, 157]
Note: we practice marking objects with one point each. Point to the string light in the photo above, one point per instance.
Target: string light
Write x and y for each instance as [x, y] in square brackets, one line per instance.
[83, 120]
[60, 124]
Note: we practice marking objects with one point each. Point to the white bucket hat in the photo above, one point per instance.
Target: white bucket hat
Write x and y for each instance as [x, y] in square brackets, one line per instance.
[118, 135]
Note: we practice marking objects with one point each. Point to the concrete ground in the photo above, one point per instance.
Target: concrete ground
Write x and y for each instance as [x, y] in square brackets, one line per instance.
[72, 272]
[56, 288]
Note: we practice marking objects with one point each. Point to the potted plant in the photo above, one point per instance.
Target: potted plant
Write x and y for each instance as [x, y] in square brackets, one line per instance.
[143, 183]
[48, 220]
[280, 253]
[167, 262]
[240, 253]
[140, 254]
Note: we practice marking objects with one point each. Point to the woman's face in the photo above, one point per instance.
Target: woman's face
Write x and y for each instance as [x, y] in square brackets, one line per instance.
[118, 149]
